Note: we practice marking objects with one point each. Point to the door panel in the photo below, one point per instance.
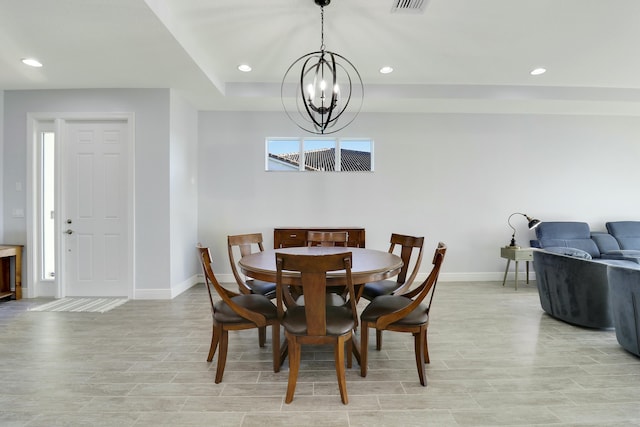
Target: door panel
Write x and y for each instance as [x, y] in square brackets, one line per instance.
[95, 208]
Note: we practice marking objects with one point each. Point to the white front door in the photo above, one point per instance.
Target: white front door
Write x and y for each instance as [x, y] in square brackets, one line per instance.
[95, 219]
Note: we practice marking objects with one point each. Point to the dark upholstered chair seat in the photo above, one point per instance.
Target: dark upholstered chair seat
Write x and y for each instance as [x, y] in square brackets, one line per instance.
[386, 304]
[267, 289]
[339, 320]
[258, 303]
[382, 287]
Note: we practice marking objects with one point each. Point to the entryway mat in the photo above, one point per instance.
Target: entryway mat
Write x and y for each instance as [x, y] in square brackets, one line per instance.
[88, 305]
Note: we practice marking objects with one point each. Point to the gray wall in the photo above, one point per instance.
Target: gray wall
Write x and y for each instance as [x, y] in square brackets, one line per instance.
[183, 194]
[155, 146]
[2, 238]
[449, 177]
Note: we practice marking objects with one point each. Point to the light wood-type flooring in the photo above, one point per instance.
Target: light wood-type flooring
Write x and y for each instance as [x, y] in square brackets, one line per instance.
[496, 360]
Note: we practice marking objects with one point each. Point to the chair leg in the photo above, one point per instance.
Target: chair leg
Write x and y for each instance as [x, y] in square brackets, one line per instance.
[294, 366]
[262, 336]
[419, 350]
[222, 354]
[364, 343]
[426, 348]
[275, 341]
[215, 337]
[349, 351]
[340, 372]
[378, 339]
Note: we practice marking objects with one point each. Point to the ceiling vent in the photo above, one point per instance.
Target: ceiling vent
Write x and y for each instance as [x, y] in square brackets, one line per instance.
[409, 6]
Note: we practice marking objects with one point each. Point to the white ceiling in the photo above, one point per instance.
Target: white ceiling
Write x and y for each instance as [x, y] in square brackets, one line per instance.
[459, 55]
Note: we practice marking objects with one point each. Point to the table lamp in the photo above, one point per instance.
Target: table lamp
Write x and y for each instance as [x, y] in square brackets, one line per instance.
[533, 223]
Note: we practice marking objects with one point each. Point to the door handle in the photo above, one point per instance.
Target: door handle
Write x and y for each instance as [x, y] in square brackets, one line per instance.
[69, 231]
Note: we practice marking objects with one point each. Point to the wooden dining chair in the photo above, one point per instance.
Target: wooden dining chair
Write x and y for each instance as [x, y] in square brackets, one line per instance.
[246, 244]
[327, 238]
[407, 245]
[404, 313]
[316, 322]
[236, 312]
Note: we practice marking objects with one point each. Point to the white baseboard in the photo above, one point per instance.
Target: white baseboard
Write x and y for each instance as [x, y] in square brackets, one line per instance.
[444, 277]
[479, 277]
[228, 278]
[168, 293]
[181, 287]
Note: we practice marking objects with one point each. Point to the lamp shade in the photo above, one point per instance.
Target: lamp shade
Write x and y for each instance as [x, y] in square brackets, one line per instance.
[533, 223]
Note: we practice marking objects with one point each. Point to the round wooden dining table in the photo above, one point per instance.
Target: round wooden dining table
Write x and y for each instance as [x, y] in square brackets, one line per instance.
[368, 265]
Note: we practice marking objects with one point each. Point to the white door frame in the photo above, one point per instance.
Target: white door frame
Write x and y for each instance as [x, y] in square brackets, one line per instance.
[60, 119]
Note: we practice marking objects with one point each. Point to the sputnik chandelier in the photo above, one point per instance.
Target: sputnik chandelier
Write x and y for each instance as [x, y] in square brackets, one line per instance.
[320, 87]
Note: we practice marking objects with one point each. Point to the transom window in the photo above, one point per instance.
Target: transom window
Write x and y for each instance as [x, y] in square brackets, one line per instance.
[319, 154]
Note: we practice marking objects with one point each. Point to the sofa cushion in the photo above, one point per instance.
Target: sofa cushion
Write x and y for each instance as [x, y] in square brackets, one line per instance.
[568, 234]
[605, 241]
[626, 255]
[562, 250]
[627, 233]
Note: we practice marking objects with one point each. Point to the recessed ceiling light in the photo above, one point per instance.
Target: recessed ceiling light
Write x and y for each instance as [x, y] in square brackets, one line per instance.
[386, 70]
[244, 68]
[32, 62]
[538, 71]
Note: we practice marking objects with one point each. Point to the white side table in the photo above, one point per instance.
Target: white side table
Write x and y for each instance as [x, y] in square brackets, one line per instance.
[516, 254]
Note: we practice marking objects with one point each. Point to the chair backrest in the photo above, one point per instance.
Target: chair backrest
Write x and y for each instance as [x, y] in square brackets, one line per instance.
[205, 259]
[243, 244]
[225, 294]
[407, 244]
[313, 278]
[419, 294]
[327, 238]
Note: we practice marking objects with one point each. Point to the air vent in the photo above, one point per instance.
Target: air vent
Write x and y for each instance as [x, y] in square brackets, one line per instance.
[409, 6]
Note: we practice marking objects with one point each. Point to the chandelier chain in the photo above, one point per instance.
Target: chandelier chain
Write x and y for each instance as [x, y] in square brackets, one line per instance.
[322, 28]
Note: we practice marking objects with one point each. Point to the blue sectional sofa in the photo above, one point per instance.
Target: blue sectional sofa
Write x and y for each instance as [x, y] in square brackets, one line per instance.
[571, 271]
[598, 245]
